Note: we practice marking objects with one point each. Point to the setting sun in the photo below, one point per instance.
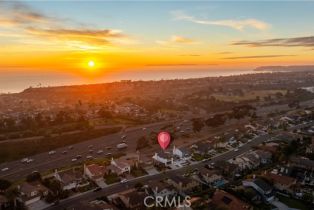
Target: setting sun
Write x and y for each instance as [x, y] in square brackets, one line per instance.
[91, 64]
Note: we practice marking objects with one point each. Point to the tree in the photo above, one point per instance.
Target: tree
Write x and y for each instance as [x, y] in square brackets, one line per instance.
[141, 143]
[4, 185]
[11, 195]
[198, 124]
[35, 176]
[103, 113]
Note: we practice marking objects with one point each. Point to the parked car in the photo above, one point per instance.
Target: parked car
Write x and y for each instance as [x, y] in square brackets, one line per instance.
[4, 169]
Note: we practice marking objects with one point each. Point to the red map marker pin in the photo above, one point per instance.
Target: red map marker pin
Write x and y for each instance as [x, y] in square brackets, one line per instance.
[164, 139]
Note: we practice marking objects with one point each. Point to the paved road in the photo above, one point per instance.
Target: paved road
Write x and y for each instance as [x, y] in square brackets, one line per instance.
[118, 187]
[43, 162]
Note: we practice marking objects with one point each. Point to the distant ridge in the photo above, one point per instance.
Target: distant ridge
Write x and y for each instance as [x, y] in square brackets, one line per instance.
[286, 68]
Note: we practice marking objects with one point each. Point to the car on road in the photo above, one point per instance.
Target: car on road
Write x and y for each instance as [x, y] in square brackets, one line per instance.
[78, 156]
[108, 148]
[123, 180]
[91, 151]
[24, 160]
[108, 154]
[29, 160]
[4, 169]
[122, 146]
[236, 149]
[100, 152]
[249, 140]
[209, 166]
[89, 157]
[97, 189]
[64, 152]
[52, 152]
[90, 146]
[74, 159]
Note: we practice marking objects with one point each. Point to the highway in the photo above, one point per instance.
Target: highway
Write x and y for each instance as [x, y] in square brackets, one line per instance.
[44, 162]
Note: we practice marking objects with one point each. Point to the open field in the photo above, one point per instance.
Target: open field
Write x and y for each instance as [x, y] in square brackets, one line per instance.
[250, 95]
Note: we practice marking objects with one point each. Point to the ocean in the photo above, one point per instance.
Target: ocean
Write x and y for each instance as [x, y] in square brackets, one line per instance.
[17, 81]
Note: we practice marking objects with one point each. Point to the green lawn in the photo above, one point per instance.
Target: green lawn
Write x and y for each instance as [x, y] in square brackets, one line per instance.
[111, 178]
[136, 172]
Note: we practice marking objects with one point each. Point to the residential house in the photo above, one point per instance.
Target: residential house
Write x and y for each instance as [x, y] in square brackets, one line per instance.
[264, 156]
[270, 147]
[69, 179]
[224, 200]
[163, 157]
[182, 152]
[249, 160]
[31, 192]
[161, 189]
[302, 162]
[120, 166]
[262, 187]
[94, 172]
[212, 177]
[183, 184]
[129, 199]
[282, 182]
[201, 148]
[91, 205]
[228, 169]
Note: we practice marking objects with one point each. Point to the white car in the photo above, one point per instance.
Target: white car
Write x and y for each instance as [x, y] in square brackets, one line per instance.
[24, 160]
[100, 152]
[52, 152]
[29, 160]
[74, 159]
[123, 180]
[4, 169]
[89, 157]
[236, 149]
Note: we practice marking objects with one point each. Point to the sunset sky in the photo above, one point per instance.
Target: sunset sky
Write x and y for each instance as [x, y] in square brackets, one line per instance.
[65, 36]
